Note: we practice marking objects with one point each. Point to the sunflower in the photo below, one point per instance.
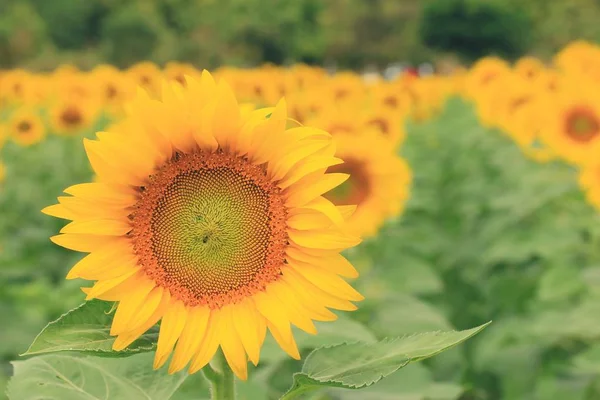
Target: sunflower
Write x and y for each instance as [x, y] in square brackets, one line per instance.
[529, 67]
[112, 87]
[570, 125]
[212, 221]
[483, 74]
[72, 116]
[17, 86]
[147, 75]
[387, 123]
[378, 184]
[25, 127]
[178, 71]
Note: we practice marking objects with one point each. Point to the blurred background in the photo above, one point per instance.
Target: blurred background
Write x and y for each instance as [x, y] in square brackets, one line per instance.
[495, 216]
[42, 34]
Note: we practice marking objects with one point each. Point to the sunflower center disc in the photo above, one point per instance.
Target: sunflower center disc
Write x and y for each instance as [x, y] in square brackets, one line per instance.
[355, 189]
[211, 228]
[582, 125]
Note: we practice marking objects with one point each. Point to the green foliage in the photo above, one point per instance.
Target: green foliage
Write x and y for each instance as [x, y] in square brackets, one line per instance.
[71, 24]
[357, 365]
[22, 33]
[86, 329]
[69, 377]
[475, 29]
[131, 34]
[510, 240]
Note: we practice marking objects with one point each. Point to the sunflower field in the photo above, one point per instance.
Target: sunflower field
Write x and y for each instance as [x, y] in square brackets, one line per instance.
[214, 208]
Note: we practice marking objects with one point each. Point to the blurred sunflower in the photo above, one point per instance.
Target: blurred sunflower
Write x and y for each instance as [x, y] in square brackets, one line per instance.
[571, 125]
[17, 86]
[113, 88]
[387, 123]
[147, 75]
[483, 74]
[25, 127]
[71, 117]
[378, 184]
[529, 67]
[211, 221]
[177, 71]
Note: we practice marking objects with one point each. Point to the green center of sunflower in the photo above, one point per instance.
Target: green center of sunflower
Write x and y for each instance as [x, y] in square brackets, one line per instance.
[582, 124]
[211, 228]
[355, 189]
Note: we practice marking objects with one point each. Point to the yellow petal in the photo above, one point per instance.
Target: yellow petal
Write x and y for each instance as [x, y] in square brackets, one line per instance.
[108, 227]
[287, 343]
[327, 239]
[59, 211]
[313, 186]
[83, 243]
[246, 321]
[289, 304]
[227, 119]
[190, 338]
[324, 206]
[232, 346]
[303, 285]
[307, 219]
[209, 345]
[106, 263]
[293, 156]
[171, 327]
[130, 305]
[117, 288]
[318, 311]
[126, 338]
[327, 281]
[121, 195]
[346, 211]
[308, 166]
[335, 263]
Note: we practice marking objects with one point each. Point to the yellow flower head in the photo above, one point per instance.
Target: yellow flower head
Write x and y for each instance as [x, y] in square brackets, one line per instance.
[570, 124]
[25, 127]
[147, 75]
[378, 185]
[212, 221]
[73, 116]
[529, 67]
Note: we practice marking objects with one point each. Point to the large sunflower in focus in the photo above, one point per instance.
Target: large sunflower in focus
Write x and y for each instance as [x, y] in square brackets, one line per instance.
[213, 222]
[378, 184]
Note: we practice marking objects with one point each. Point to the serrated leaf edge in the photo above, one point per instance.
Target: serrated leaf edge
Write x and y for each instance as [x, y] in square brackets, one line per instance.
[391, 340]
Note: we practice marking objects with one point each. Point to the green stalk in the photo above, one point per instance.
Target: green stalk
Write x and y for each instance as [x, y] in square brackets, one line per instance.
[221, 378]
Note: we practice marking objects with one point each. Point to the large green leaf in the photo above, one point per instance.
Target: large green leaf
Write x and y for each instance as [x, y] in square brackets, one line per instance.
[358, 365]
[69, 377]
[414, 383]
[86, 329]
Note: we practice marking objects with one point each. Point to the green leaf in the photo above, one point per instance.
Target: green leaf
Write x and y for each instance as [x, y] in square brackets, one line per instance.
[358, 365]
[69, 377]
[414, 383]
[86, 329]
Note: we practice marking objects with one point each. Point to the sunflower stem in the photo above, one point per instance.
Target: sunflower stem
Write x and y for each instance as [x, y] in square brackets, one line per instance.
[221, 378]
